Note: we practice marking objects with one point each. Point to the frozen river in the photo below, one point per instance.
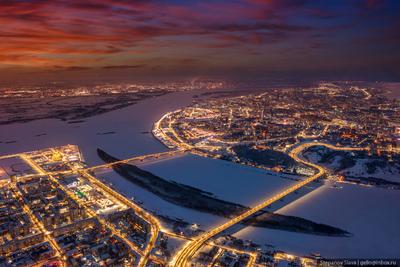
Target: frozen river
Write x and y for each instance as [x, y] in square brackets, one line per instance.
[225, 180]
[371, 214]
[127, 123]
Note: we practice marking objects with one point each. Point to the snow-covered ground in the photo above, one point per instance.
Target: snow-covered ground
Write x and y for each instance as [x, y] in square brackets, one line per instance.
[370, 214]
[390, 172]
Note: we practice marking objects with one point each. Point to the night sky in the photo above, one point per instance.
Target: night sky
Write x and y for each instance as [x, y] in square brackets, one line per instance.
[240, 37]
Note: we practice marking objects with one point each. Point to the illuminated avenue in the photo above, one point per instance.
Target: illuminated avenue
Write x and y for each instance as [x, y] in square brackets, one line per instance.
[69, 215]
[68, 162]
[190, 249]
[199, 133]
[183, 257]
[280, 122]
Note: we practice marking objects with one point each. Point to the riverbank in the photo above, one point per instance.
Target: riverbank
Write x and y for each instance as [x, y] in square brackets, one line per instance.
[199, 200]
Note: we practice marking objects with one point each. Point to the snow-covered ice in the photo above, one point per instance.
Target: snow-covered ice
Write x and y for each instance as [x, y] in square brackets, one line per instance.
[226, 180]
[370, 214]
[157, 205]
[128, 124]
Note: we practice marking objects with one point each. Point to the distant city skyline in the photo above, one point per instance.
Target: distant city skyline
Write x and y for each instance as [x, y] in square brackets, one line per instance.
[59, 39]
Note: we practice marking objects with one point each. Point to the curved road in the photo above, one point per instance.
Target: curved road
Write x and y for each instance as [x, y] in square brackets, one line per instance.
[183, 256]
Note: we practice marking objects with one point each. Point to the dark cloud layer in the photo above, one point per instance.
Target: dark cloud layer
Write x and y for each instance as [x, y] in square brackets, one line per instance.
[249, 34]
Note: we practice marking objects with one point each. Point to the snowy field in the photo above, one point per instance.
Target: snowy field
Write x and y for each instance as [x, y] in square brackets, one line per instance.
[370, 214]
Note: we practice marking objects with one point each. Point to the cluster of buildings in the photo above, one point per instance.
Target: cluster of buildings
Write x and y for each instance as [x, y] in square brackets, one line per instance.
[60, 216]
[30, 256]
[22, 241]
[219, 257]
[279, 119]
[131, 225]
[95, 245]
[96, 199]
[65, 90]
[58, 159]
[48, 203]
[16, 228]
